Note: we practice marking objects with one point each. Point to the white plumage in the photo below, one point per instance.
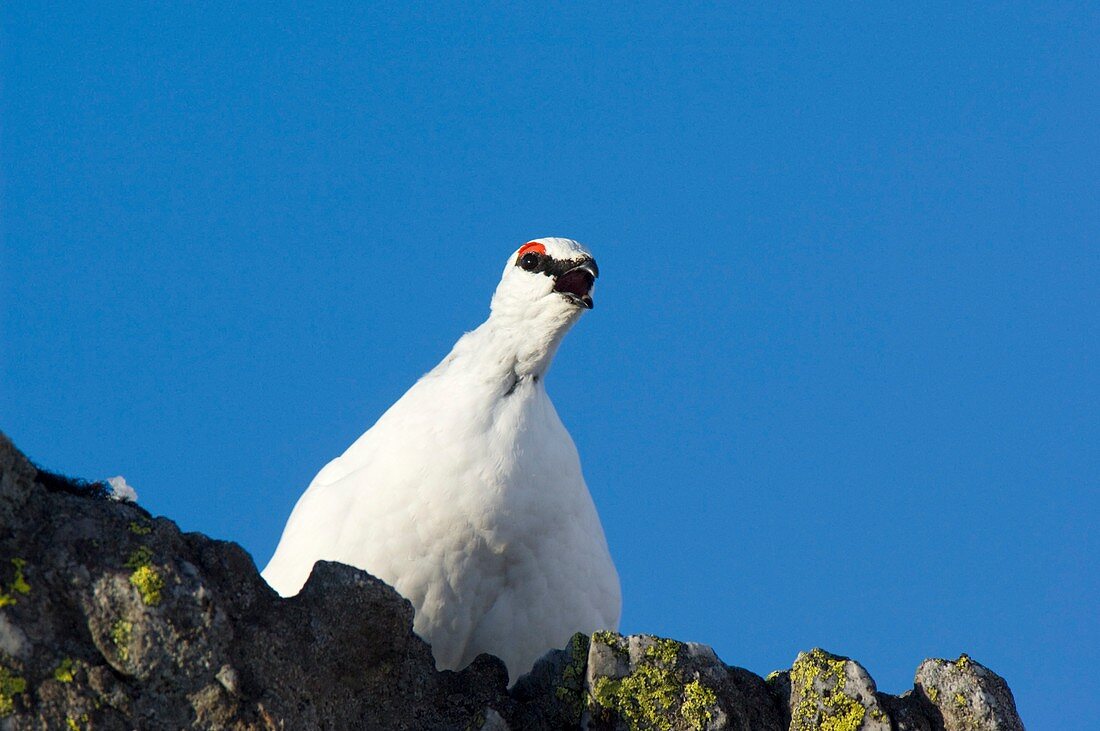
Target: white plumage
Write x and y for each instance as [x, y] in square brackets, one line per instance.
[467, 494]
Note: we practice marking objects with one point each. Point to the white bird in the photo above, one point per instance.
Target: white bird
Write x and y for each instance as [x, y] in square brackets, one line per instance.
[467, 495]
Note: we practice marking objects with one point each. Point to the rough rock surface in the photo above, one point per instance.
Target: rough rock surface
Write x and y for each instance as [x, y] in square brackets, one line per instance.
[650, 682]
[967, 695]
[113, 619]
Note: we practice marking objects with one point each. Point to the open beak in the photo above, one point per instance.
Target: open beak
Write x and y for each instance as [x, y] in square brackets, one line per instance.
[576, 284]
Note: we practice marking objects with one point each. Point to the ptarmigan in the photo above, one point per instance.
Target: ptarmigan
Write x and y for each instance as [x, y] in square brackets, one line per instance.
[467, 495]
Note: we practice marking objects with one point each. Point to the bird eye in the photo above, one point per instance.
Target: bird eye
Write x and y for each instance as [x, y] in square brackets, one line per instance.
[529, 261]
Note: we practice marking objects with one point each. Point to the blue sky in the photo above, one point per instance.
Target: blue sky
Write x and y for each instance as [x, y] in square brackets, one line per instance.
[840, 386]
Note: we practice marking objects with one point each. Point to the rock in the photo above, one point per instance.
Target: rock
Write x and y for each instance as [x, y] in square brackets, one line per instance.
[966, 696]
[646, 682]
[111, 618]
[494, 722]
[115, 619]
[907, 712]
[832, 692]
[553, 695]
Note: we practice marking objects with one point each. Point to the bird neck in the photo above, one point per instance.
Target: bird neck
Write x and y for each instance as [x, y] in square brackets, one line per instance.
[504, 352]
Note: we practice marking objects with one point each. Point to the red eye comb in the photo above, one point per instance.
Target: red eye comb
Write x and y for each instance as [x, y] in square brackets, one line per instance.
[532, 246]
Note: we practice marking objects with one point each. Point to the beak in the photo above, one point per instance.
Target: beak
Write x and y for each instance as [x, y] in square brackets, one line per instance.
[590, 266]
[576, 284]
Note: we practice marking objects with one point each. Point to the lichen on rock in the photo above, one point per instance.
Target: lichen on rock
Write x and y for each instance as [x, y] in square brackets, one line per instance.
[658, 690]
[145, 577]
[121, 632]
[149, 584]
[967, 695]
[17, 585]
[833, 693]
[63, 673]
[698, 706]
[11, 685]
[140, 527]
[570, 691]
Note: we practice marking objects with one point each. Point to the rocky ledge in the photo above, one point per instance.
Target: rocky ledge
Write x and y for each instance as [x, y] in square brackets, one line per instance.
[111, 618]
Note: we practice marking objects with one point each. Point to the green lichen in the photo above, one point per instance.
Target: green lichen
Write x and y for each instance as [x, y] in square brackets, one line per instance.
[121, 631]
[74, 723]
[664, 651]
[11, 685]
[141, 556]
[698, 702]
[64, 671]
[819, 680]
[140, 528]
[654, 696]
[606, 637]
[613, 640]
[18, 585]
[145, 577]
[571, 690]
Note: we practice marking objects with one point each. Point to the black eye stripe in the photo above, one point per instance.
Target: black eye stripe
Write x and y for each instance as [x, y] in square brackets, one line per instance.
[550, 266]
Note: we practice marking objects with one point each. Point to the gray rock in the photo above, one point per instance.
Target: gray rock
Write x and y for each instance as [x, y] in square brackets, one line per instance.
[829, 691]
[966, 696]
[646, 682]
[113, 619]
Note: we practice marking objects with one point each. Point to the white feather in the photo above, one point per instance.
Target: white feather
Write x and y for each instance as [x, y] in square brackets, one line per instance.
[467, 495]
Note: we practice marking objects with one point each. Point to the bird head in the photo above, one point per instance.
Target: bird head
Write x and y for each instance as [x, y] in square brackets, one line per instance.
[546, 285]
[547, 280]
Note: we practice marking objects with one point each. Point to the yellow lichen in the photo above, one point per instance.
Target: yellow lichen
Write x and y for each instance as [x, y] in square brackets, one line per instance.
[148, 583]
[963, 662]
[698, 702]
[819, 680]
[64, 671]
[18, 585]
[663, 651]
[74, 723]
[654, 696]
[11, 685]
[121, 632]
[145, 577]
[933, 694]
[612, 639]
[960, 699]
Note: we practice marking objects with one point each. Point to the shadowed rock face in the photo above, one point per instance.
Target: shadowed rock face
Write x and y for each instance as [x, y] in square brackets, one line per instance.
[113, 619]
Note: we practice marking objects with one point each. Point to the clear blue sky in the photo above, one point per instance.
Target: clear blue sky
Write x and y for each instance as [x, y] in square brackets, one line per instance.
[840, 386]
